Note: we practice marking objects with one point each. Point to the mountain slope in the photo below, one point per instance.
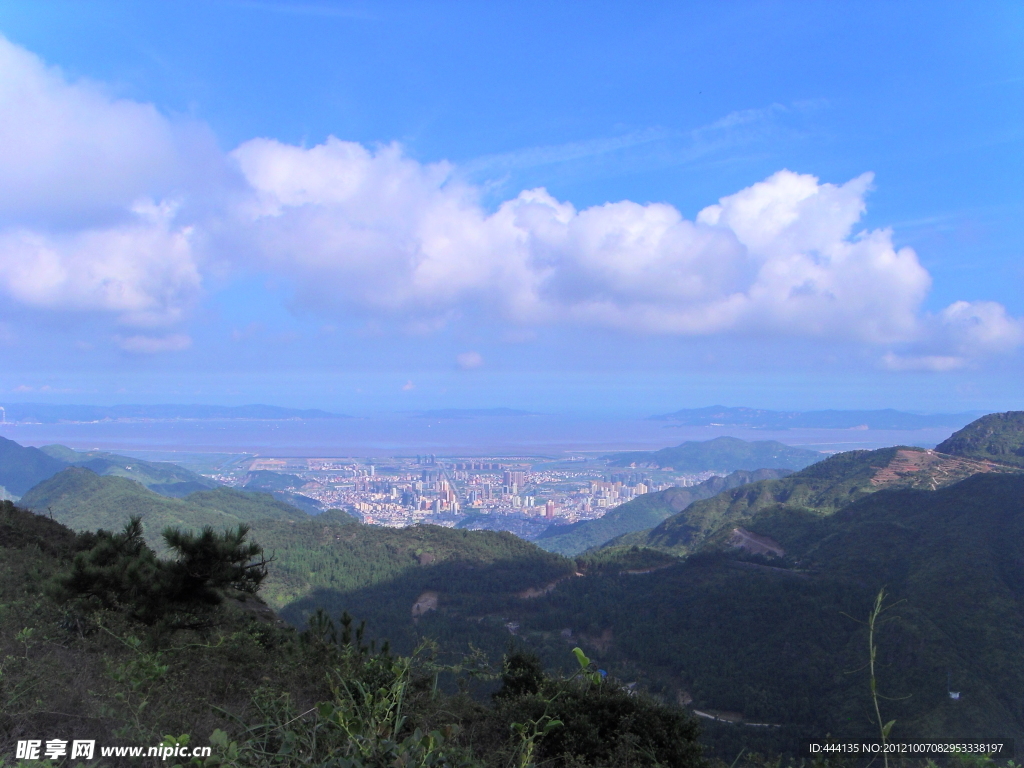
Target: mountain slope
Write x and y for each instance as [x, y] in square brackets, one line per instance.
[773, 639]
[83, 500]
[725, 454]
[346, 567]
[163, 477]
[22, 467]
[823, 488]
[644, 512]
[997, 437]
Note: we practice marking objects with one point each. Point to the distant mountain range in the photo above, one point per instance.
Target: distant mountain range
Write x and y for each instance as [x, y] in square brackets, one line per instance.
[724, 454]
[44, 413]
[755, 418]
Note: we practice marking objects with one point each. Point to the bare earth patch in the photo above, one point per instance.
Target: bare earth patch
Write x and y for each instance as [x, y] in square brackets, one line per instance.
[930, 470]
[425, 602]
[754, 543]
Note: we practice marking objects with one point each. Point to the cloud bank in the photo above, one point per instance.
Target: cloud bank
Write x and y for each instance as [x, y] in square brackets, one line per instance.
[109, 207]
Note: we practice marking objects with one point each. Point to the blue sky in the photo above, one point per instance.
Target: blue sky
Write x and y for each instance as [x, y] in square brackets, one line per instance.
[556, 206]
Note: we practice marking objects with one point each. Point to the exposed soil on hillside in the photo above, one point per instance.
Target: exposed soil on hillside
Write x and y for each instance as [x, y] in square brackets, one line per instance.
[755, 544]
[930, 470]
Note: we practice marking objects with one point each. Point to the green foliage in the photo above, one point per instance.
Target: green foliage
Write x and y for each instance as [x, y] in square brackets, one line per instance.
[724, 454]
[121, 571]
[160, 476]
[823, 487]
[85, 501]
[589, 719]
[265, 480]
[644, 512]
[997, 437]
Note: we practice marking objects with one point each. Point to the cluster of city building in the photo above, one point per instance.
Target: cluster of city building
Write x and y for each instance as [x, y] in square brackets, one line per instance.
[523, 494]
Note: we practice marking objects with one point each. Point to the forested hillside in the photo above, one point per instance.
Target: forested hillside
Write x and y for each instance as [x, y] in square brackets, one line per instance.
[190, 657]
[997, 437]
[644, 512]
[781, 640]
[822, 488]
[83, 500]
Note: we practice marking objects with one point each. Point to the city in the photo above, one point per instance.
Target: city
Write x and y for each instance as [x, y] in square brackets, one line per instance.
[522, 494]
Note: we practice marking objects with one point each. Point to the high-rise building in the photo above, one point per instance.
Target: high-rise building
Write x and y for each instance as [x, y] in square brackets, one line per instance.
[549, 510]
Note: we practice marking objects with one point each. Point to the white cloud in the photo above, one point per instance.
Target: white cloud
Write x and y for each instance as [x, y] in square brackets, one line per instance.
[375, 234]
[939, 363]
[70, 150]
[375, 231]
[80, 169]
[143, 271]
[469, 360]
[148, 345]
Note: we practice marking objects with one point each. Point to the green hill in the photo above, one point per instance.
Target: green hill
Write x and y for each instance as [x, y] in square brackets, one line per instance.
[644, 512]
[823, 488]
[997, 437]
[163, 477]
[723, 454]
[222, 671]
[265, 480]
[22, 467]
[380, 574]
[84, 501]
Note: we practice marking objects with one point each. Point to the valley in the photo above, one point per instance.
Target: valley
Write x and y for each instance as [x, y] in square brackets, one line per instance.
[744, 596]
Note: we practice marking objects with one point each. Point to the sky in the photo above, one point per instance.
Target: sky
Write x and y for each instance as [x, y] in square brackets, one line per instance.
[565, 207]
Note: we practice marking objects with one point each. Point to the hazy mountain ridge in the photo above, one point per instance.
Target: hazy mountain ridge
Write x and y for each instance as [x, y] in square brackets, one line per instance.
[163, 477]
[22, 467]
[755, 418]
[46, 413]
[725, 454]
[644, 512]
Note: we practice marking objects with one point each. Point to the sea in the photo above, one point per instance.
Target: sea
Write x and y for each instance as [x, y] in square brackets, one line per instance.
[535, 435]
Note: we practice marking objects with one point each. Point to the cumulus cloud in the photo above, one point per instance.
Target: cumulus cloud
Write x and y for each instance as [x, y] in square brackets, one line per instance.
[375, 230]
[107, 206]
[143, 271]
[72, 150]
[87, 222]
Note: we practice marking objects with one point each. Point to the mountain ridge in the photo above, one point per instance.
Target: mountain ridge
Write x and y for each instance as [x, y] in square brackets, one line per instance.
[756, 418]
[48, 413]
[644, 511]
[726, 454]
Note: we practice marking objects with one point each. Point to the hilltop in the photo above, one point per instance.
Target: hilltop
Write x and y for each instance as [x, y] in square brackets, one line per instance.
[643, 512]
[724, 454]
[998, 437]
[82, 500]
[22, 467]
[822, 488]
